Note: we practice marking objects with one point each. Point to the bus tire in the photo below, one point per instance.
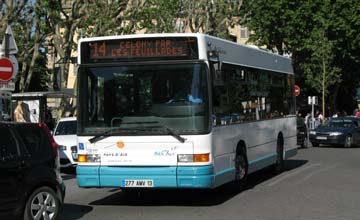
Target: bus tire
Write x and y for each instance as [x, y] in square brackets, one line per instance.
[241, 169]
[279, 165]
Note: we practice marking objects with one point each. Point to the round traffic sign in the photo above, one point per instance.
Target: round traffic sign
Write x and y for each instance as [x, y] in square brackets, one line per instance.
[297, 90]
[15, 64]
[6, 69]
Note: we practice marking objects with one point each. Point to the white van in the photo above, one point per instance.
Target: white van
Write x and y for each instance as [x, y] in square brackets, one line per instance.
[65, 136]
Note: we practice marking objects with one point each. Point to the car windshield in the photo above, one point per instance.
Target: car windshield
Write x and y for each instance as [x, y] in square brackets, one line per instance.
[340, 123]
[139, 99]
[66, 128]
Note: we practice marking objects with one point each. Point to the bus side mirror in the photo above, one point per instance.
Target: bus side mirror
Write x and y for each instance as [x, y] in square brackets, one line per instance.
[218, 76]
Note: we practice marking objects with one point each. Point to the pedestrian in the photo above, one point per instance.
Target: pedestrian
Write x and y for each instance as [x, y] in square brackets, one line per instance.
[18, 113]
[319, 116]
[357, 113]
[49, 121]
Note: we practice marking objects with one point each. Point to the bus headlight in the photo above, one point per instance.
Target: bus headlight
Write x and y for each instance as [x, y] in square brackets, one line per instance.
[186, 158]
[89, 158]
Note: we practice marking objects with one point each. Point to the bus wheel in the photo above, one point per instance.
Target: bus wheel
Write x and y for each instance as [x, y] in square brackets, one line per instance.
[279, 165]
[241, 169]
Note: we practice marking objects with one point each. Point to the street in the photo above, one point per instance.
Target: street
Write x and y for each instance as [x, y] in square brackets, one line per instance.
[319, 183]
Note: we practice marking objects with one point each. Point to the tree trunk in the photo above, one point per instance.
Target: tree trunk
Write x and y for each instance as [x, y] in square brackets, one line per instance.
[323, 87]
[333, 99]
[32, 64]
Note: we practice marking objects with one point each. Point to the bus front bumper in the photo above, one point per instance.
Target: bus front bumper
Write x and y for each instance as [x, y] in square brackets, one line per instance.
[161, 177]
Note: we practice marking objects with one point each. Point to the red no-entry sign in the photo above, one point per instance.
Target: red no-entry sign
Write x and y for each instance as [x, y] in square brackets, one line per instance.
[6, 69]
[297, 90]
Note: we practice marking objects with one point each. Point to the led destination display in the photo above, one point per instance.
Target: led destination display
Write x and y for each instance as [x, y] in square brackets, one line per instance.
[140, 49]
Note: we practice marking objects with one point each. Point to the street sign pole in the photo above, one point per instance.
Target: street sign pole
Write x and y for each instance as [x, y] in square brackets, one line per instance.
[8, 67]
[6, 45]
[312, 125]
[312, 100]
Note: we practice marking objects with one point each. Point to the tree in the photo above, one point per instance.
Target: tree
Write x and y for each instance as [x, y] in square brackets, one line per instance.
[209, 17]
[212, 17]
[147, 15]
[63, 18]
[10, 12]
[296, 27]
[108, 18]
[41, 75]
[319, 68]
[25, 18]
[38, 33]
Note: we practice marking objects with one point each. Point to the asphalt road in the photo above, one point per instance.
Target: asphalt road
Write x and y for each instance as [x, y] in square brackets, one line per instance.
[319, 183]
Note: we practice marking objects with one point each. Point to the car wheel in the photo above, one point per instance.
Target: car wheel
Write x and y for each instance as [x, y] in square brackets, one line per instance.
[348, 141]
[42, 204]
[314, 144]
[241, 169]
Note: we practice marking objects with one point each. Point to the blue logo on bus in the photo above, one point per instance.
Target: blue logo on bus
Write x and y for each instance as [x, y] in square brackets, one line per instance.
[81, 146]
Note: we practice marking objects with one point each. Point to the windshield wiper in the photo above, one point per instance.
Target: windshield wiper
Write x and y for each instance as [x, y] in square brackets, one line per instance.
[107, 133]
[103, 135]
[171, 132]
[159, 125]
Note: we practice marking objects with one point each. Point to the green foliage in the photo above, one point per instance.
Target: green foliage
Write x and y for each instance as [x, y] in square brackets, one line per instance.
[105, 18]
[320, 69]
[157, 16]
[321, 35]
[41, 75]
[210, 17]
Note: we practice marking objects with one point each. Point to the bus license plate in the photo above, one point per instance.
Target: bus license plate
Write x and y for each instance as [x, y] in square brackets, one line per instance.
[137, 183]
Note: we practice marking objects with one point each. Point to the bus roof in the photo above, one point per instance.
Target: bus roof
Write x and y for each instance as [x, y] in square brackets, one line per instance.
[229, 52]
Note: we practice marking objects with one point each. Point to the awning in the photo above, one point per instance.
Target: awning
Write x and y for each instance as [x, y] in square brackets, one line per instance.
[45, 94]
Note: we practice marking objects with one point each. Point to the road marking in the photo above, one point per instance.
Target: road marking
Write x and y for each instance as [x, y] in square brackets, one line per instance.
[316, 172]
[296, 172]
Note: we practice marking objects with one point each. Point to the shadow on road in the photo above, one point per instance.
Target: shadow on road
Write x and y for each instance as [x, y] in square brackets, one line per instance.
[337, 146]
[73, 211]
[190, 197]
[68, 176]
[268, 173]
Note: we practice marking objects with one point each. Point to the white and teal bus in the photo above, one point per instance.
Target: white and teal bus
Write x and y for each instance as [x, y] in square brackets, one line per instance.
[180, 111]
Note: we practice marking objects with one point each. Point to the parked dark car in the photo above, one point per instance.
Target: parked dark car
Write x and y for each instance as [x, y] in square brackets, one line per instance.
[30, 183]
[337, 131]
[301, 132]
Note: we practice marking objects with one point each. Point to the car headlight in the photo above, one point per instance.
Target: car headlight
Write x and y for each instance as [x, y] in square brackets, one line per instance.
[313, 132]
[335, 133]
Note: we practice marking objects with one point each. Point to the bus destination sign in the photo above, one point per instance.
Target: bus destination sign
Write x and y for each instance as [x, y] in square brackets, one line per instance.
[140, 49]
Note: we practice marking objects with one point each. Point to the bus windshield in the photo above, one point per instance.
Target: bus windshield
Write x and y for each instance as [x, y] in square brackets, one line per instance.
[144, 99]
